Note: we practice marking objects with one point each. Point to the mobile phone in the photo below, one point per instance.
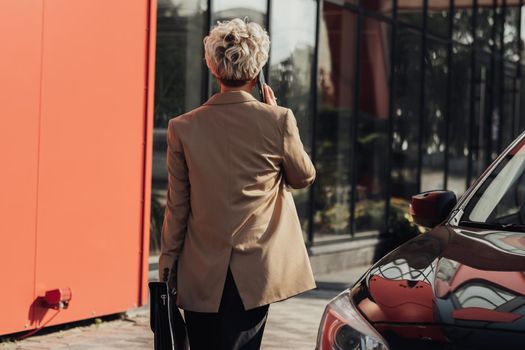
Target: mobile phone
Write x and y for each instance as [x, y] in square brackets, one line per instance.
[261, 82]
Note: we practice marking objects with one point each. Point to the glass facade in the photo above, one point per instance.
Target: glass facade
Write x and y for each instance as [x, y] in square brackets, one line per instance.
[181, 81]
[334, 121]
[392, 97]
[290, 69]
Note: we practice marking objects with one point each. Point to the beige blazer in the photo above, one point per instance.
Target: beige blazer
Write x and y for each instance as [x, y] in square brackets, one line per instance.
[230, 162]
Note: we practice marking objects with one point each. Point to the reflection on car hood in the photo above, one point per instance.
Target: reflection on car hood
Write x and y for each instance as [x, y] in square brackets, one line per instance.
[451, 284]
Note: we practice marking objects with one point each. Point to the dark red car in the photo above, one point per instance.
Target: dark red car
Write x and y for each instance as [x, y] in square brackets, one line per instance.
[459, 286]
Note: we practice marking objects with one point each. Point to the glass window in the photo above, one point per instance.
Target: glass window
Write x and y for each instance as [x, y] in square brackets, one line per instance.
[522, 33]
[500, 199]
[495, 109]
[179, 74]
[436, 71]
[336, 77]
[438, 17]
[179, 58]
[372, 126]
[521, 105]
[510, 33]
[508, 111]
[383, 7]
[222, 10]
[498, 24]
[410, 12]
[482, 129]
[290, 72]
[462, 32]
[255, 10]
[485, 26]
[405, 138]
[459, 126]
[291, 58]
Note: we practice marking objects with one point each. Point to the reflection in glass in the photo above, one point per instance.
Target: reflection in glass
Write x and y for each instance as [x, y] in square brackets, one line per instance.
[222, 10]
[410, 12]
[432, 175]
[382, 6]
[406, 114]
[509, 131]
[438, 17]
[255, 10]
[178, 79]
[500, 199]
[521, 34]
[481, 129]
[510, 33]
[484, 27]
[336, 80]
[290, 71]
[495, 109]
[372, 140]
[462, 32]
[179, 52]
[498, 26]
[521, 105]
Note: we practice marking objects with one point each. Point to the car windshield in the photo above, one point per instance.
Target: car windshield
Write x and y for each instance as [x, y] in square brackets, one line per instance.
[500, 199]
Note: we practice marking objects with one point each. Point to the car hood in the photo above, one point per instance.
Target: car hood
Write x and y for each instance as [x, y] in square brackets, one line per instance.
[446, 283]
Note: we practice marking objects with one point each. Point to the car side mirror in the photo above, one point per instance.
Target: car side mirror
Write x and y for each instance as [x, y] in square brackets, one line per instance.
[430, 208]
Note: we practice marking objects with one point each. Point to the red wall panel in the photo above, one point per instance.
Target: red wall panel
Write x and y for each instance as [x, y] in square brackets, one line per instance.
[91, 160]
[80, 182]
[19, 124]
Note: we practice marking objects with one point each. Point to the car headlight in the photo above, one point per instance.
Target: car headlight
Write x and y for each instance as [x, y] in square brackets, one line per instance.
[344, 328]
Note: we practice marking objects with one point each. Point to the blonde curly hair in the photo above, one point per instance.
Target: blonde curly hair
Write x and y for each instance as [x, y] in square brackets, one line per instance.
[236, 50]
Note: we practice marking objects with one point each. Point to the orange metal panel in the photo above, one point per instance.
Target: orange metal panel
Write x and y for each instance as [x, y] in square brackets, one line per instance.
[92, 143]
[19, 103]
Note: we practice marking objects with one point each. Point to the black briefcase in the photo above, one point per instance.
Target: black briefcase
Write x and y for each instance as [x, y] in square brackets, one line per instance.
[166, 321]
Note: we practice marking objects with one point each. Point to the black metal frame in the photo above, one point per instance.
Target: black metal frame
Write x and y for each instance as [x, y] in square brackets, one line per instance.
[472, 107]
[490, 86]
[517, 81]
[354, 119]
[313, 143]
[390, 136]
[422, 99]
[502, 74]
[205, 74]
[450, 79]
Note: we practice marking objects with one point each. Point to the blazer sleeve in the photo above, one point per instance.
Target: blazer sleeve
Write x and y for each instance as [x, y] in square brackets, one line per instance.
[177, 204]
[299, 172]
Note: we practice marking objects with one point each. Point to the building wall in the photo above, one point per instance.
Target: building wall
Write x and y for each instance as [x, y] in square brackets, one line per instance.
[392, 97]
[75, 144]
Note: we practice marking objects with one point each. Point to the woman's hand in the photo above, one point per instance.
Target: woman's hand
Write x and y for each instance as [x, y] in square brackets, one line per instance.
[269, 96]
[172, 284]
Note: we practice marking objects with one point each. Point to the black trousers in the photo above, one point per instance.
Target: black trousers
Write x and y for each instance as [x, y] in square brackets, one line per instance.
[232, 328]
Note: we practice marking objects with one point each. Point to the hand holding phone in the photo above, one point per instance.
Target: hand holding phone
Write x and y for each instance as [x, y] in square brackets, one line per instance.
[266, 92]
[261, 82]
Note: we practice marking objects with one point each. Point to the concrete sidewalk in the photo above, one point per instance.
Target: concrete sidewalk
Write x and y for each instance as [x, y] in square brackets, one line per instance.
[292, 324]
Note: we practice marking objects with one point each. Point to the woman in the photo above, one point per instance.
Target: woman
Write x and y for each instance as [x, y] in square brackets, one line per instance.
[230, 226]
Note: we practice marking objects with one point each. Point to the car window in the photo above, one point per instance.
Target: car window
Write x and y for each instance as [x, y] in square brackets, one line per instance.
[501, 197]
[508, 209]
